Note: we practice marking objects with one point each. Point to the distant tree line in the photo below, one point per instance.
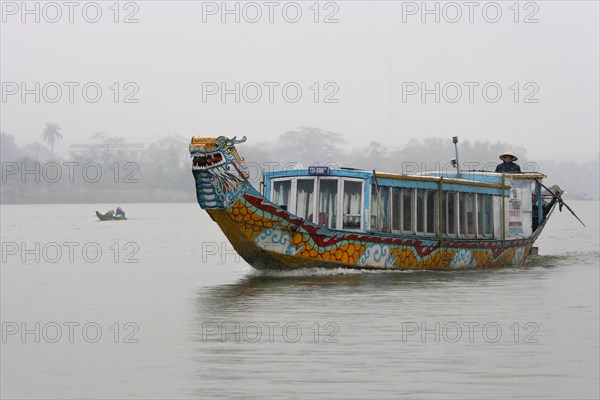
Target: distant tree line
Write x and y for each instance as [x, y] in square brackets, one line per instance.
[114, 171]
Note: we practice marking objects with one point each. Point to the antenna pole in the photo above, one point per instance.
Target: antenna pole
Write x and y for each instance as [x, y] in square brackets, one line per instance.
[455, 141]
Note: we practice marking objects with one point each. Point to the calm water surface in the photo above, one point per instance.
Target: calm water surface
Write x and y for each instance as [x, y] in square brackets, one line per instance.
[170, 312]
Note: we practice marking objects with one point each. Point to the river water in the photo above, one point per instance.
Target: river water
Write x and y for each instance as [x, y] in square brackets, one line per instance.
[160, 307]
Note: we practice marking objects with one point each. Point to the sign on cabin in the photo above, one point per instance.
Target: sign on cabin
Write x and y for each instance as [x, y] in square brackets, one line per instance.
[318, 170]
[515, 223]
[519, 208]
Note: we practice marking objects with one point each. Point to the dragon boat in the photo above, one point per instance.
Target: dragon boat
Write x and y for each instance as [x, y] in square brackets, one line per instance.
[331, 218]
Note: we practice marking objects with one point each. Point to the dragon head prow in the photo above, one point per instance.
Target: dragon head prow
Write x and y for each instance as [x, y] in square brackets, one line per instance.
[221, 174]
[211, 152]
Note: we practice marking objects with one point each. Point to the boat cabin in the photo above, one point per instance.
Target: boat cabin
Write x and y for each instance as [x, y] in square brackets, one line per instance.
[469, 205]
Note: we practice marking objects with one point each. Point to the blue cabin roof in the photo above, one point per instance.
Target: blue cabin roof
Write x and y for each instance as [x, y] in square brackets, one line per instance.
[467, 181]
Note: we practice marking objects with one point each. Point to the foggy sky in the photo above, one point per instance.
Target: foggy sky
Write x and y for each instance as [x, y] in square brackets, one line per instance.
[368, 54]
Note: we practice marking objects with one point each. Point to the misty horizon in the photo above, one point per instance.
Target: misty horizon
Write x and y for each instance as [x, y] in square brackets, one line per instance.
[110, 168]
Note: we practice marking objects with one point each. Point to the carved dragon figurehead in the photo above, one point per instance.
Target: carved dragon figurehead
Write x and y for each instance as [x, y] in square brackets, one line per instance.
[221, 174]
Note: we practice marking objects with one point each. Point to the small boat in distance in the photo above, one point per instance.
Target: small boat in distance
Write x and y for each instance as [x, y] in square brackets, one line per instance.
[332, 218]
[108, 217]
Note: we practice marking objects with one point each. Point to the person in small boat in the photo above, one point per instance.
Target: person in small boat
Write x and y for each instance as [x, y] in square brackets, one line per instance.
[110, 213]
[120, 212]
[508, 163]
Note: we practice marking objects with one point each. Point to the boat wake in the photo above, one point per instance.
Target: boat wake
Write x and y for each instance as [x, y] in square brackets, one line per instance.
[571, 258]
[566, 259]
[304, 272]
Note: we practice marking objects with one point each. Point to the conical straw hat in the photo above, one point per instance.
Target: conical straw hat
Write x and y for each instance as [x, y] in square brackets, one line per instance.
[508, 153]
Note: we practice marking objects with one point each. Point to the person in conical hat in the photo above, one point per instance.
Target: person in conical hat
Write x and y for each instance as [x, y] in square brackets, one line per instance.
[508, 163]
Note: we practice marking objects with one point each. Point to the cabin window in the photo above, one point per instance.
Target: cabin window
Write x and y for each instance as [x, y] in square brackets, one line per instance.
[380, 208]
[450, 212]
[281, 193]
[407, 207]
[427, 211]
[467, 214]
[336, 203]
[404, 205]
[420, 209]
[352, 205]
[431, 211]
[328, 193]
[305, 198]
[396, 209]
[484, 215]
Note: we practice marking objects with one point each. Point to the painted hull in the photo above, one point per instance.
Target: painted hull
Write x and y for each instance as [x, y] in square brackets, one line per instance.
[268, 237]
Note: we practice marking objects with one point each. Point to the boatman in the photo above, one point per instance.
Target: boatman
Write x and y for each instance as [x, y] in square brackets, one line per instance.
[508, 165]
[120, 212]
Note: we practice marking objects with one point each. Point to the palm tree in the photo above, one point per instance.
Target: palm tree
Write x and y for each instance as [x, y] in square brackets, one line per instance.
[51, 135]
